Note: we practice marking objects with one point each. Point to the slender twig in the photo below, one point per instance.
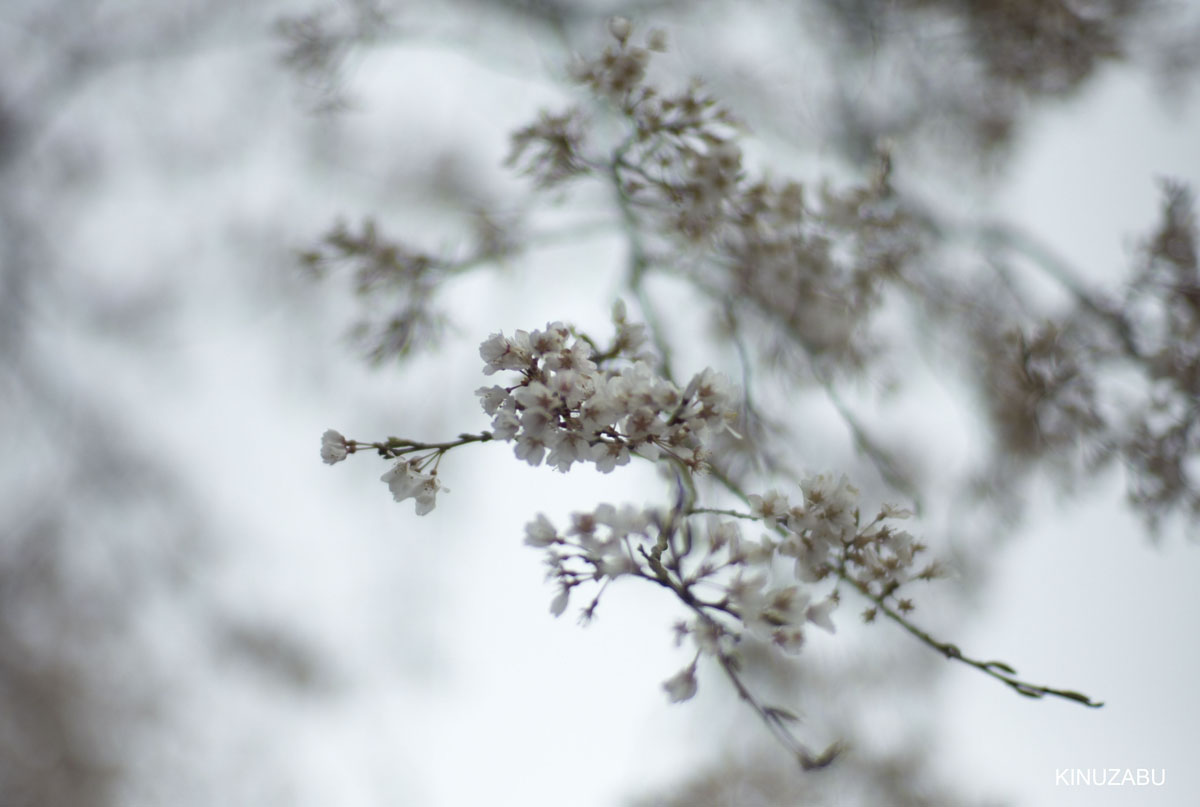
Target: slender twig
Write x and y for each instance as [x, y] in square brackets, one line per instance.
[996, 669]
[722, 512]
[398, 446]
[880, 458]
[639, 265]
[770, 462]
[774, 718]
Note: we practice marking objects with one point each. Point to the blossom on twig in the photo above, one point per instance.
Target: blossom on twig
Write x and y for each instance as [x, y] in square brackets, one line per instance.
[333, 447]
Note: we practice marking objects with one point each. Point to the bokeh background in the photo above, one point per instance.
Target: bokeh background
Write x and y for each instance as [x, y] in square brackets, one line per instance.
[195, 610]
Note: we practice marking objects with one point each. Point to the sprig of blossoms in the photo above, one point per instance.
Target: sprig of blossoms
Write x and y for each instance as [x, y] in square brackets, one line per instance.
[407, 478]
[740, 589]
[575, 403]
[822, 536]
[737, 589]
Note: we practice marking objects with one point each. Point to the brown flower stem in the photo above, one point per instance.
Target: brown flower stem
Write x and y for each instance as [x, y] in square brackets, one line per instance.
[996, 669]
[398, 446]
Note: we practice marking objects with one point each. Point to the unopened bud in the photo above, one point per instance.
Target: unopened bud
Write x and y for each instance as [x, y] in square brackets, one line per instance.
[620, 28]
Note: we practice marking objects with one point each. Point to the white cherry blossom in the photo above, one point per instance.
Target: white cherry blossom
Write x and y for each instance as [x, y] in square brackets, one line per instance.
[333, 447]
[406, 482]
[565, 403]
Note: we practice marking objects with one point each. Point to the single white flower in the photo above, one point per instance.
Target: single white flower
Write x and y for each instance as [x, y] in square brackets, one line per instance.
[540, 532]
[530, 448]
[491, 351]
[573, 388]
[682, 686]
[785, 606]
[536, 395]
[536, 421]
[567, 447]
[333, 447]
[577, 357]
[551, 340]
[643, 424]
[501, 353]
[426, 494]
[405, 482]
[505, 425]
[609, 455]
[770, 508]
[583, 524]
[490, 398]
[401, 480]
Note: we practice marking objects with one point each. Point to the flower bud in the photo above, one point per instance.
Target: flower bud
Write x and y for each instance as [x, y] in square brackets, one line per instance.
[620, 28]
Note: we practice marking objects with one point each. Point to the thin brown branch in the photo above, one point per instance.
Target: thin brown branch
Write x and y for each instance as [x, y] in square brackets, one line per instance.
[996, 669]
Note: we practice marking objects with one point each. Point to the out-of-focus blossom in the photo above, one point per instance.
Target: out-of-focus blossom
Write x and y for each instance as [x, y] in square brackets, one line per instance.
[682, 686]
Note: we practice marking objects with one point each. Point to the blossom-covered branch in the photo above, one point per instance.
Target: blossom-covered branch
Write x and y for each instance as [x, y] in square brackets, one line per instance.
[568, 400]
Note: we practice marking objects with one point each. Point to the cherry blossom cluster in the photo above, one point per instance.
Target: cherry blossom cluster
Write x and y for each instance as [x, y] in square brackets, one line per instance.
[825, 537]
[574, 403]
[813, 261]
[737, 588]
[1112, 380]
